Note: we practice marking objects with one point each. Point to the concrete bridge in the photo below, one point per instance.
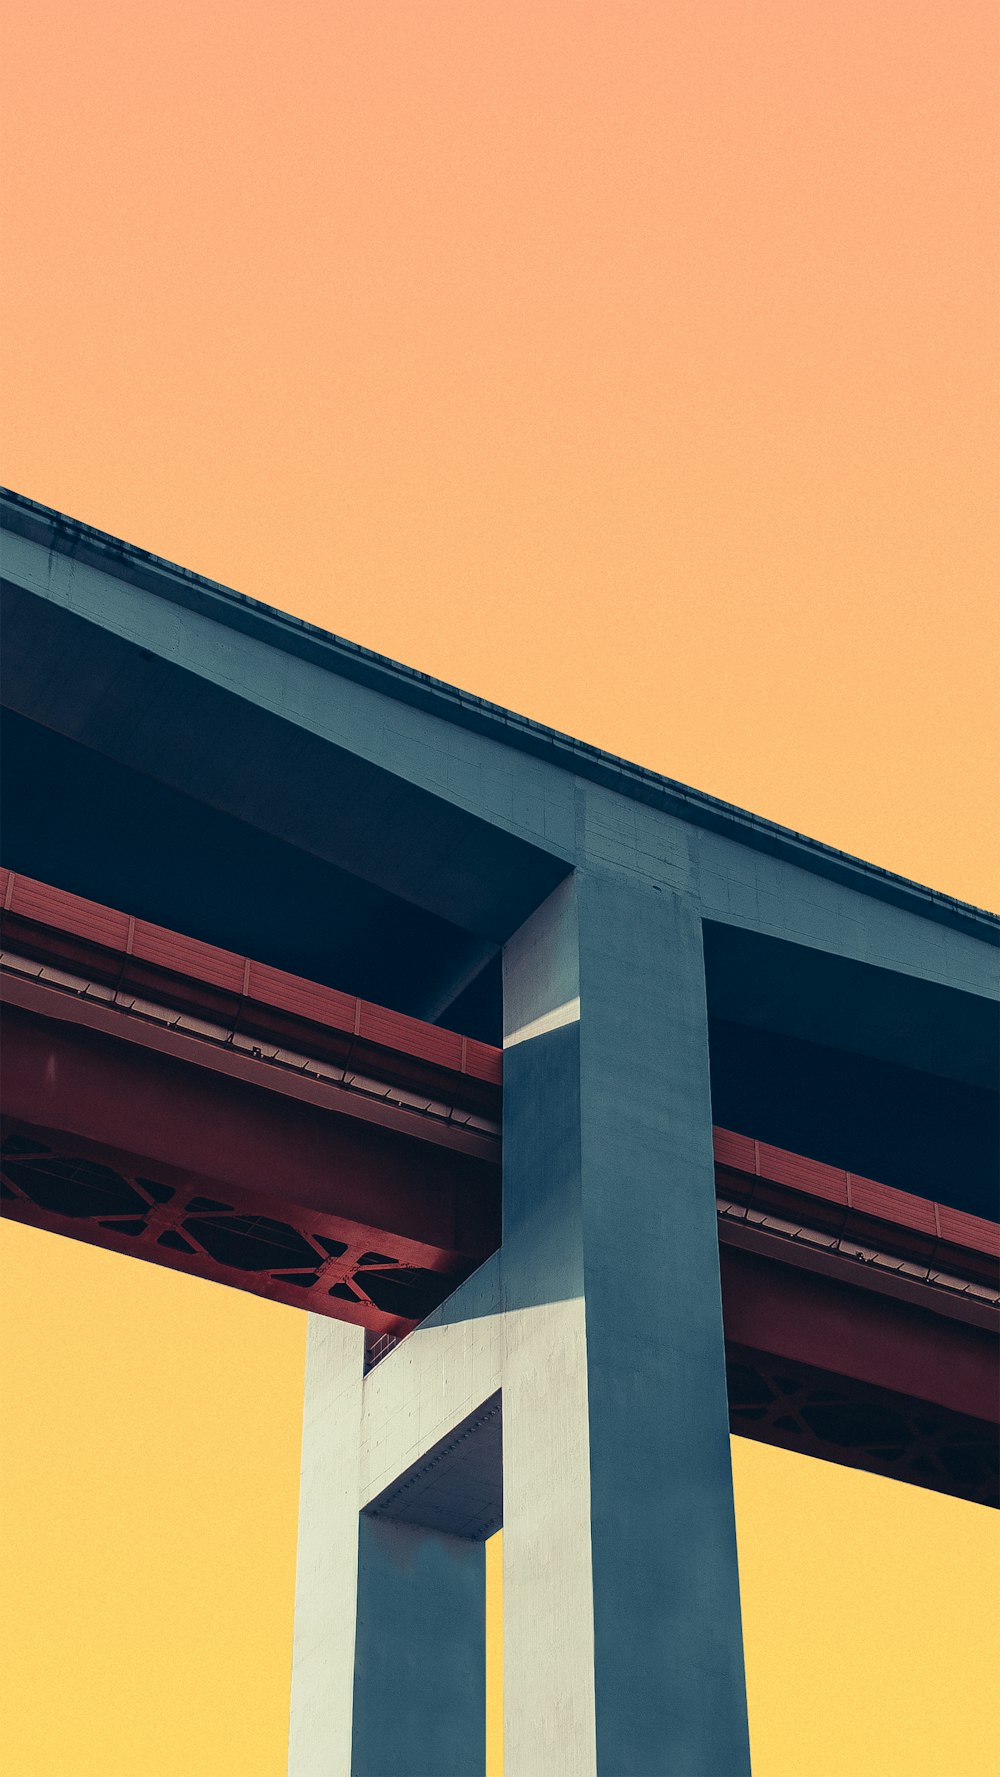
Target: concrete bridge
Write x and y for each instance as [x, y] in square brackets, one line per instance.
[585, 1115]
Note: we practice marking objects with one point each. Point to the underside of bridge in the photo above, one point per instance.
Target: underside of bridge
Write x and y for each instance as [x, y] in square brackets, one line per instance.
[191, 1107]
[327, 981]
[861, 1066]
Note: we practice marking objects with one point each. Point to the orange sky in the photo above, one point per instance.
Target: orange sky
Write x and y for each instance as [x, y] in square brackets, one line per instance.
[633, 365]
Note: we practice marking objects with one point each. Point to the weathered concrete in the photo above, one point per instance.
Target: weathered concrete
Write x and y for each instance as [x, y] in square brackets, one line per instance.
[388, 1674]
[135, 657]
[420, 1673]
[437, 1379]
[621, 1621]
[598, 1326]
[323, 1650]
[621, 1601]
[457, 1487]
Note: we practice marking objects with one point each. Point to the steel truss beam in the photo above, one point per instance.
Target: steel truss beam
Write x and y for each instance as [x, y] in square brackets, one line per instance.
[170, 1100]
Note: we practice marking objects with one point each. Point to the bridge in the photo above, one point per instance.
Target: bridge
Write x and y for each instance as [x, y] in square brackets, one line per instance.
[148, 1074]
[587, 1117]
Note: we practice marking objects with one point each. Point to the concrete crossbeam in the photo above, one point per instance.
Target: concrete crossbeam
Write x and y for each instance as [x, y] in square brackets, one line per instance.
[388, 1676]
[437, 1380]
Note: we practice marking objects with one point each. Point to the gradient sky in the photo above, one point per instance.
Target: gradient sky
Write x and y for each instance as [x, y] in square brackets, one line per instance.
[633, 365]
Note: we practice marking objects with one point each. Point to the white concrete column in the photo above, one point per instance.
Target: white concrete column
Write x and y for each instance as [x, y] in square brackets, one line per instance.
[319, 1742]
[389, 1663]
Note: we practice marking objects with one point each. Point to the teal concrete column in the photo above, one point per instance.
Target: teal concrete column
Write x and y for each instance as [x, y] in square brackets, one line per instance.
[622, 1634]
[420, 1655]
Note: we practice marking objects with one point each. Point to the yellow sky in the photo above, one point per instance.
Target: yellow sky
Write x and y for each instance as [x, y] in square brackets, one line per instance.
[631, 365]
[150, 1454]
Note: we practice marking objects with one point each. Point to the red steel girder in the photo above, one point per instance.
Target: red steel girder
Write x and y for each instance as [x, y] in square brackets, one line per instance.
[173, 1101]
[137, 961]
[128, 1204]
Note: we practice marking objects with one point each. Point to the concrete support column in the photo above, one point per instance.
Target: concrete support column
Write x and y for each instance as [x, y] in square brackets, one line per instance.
[389, 1657]
[319, 1739]
[420, 1666]
[622, 1635]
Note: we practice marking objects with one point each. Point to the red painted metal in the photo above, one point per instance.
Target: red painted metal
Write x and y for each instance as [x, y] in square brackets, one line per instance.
[241, 1132]
[756, 1173]
[159, 1057]
[913, 1347]
[175, 1213]
[137, 958]
[861, 1323]
[416, 1117]
[817, 1413]
[276, 1135]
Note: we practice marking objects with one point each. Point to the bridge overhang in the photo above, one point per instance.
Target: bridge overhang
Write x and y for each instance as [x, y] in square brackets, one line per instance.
[339, 883]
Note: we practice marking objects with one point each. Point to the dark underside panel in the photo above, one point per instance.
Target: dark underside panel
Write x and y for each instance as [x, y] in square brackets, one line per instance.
[96, 828]
[884, 1073]
[921, 1132]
